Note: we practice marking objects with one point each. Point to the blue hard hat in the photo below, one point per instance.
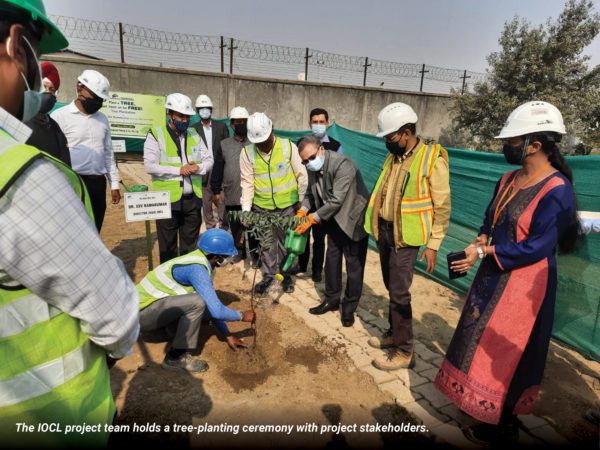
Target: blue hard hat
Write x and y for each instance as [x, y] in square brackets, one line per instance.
[217, 242]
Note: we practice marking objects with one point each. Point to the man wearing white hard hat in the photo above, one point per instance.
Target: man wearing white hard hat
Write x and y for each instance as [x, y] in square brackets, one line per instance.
[88, 134]
[225, 180]
[273, 179]
[212, 133]
[176, 157]
[409, 209]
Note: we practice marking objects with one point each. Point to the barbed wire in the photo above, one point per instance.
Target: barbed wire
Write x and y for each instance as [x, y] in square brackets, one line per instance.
[166, 49]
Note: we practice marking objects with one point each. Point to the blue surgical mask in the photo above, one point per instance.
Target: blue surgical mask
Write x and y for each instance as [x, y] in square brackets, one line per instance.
[316, 164]
[318, 130]
[204, 113]
[181, 127]
[32, 100]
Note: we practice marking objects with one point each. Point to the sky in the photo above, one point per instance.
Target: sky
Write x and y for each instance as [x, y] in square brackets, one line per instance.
[456, 34]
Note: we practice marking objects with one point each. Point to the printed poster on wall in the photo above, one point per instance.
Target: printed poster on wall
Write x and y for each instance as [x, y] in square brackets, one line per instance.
[131, 115]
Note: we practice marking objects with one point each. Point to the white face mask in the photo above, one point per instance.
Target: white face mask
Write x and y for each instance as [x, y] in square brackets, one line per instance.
[318, 130]
[204, 113]
[32, 100]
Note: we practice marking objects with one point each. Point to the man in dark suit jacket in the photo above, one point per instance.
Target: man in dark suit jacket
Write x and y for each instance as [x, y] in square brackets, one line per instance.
[212, 133]
[339, 197]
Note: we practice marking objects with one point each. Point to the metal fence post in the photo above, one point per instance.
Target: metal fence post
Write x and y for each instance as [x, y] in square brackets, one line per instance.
[121, 42]
[366, 66]
[306, 65]
[222, 54]
[464, 78]
[231, 49]
[422, 72]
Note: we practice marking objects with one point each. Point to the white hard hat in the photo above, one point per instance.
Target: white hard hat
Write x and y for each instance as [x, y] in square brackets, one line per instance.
[533, 117]
[180, 103]
[203, 101]
[95, 82]
[239, 112]
[259, 127]
[394, 116]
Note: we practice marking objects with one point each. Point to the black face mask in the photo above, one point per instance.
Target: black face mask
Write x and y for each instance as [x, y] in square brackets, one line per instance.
[241, 129]
[48, 102]
[91, 105]
[515, 155]
[394, 148]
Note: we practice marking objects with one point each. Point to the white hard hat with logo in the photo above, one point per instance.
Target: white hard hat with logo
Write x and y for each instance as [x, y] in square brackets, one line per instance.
[533, 117]
[180, 103]
[393, 117]
[239, 112]
[95, 82]
[203, 101]
[259, 127]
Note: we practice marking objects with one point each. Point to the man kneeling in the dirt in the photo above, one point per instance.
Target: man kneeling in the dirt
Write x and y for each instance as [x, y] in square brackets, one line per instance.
[178, 292]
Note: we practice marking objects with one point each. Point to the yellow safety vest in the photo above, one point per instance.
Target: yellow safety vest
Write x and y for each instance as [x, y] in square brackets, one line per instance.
[170, 157]
[160, 282]
[416, 207]
[50, 372]
[275, 184]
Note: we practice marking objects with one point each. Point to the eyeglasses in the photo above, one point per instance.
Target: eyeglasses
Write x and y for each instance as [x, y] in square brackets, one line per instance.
[397, 133]
[313, 157]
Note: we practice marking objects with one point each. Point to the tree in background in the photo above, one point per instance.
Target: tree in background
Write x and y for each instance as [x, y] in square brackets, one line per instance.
[537, 63]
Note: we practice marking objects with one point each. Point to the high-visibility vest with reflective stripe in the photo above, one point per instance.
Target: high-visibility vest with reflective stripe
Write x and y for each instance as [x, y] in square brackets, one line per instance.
[416, 207]
[275, 184]
[170, 157]
[50, 372]
[160, 282]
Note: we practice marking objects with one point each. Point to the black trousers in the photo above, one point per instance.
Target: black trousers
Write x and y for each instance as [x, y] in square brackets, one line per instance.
[340, 245]
[96, 187]
[179, 234]
[398, 268]
[318, 234]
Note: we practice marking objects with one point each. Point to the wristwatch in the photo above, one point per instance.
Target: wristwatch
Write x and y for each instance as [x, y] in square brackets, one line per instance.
[480, 252]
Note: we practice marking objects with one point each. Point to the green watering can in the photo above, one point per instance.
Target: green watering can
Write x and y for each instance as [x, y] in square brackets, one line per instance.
[294, 244]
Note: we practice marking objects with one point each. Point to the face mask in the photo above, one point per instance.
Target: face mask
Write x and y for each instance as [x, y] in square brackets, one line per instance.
[48, 102]
[181, 127]
[515, 155]
[318, 130]
[91, 105]
[205, 113]
[32, 100]
[394, 148]
[241, 129]
[316, 164]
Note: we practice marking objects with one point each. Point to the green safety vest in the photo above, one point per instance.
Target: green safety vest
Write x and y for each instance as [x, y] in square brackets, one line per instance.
[160, 282]
[416, 207]
[50, 372]
[275, 184]
[170, 157]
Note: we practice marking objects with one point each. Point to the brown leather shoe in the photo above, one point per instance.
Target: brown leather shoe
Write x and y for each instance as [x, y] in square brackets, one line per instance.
[395, 359]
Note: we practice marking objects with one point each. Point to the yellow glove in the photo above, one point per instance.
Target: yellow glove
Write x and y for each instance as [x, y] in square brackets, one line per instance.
[305, 225]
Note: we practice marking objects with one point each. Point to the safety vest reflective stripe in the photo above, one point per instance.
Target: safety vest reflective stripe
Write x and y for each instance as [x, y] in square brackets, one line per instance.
[44, 378]
[161, 274]
[152, 290]
[24, 312]
[160, 282]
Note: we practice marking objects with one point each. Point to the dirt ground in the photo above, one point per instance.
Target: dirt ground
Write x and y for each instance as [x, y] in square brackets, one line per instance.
[293, 376]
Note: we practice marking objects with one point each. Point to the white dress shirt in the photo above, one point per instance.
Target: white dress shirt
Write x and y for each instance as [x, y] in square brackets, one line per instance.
[208, 135]
[49, 245]
[152, 160]
[90, 143]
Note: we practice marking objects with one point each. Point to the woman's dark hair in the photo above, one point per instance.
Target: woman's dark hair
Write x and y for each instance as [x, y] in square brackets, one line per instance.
[572, 237]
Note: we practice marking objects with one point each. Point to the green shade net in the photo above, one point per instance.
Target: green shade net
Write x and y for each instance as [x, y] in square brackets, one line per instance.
[473, 176]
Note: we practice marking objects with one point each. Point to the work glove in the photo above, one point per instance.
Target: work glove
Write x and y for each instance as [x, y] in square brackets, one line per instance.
[306, 224]
[301, 213]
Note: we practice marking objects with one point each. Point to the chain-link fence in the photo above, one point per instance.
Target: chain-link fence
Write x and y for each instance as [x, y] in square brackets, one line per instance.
[115, 41]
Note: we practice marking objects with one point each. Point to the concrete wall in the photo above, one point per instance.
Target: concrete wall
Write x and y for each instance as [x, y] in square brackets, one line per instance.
[287, 103]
